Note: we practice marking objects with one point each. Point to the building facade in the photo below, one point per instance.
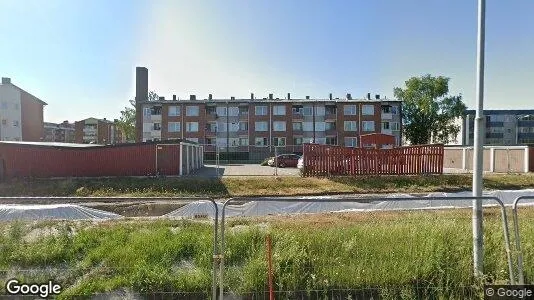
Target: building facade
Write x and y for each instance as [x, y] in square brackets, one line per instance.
[501, 127]
[97, 131]
[21, 114]
[248, 125]
[59, 132]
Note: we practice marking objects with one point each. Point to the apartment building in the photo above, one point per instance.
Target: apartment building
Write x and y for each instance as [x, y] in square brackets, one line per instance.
[246, 125]
[501, 127]
[97, 131]
[59, 132]
[21, 114]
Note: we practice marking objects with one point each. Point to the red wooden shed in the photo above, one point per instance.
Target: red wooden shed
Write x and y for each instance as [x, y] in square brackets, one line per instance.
[377, 140]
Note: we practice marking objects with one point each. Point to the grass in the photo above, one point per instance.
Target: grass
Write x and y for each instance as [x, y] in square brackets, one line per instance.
[258, 186]
[405, 255]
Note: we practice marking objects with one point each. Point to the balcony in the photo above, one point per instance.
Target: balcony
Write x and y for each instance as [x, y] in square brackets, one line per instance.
[387, 116]
[387, 131]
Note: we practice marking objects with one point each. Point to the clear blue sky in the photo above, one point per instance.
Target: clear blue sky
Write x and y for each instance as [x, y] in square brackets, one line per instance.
[80, 56]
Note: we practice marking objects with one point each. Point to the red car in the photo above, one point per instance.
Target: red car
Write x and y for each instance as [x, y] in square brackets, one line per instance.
[285, 160]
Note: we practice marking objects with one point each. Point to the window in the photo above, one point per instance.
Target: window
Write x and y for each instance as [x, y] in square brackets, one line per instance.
[16, 106]
[174, 126]
[385, 126]
[297, 126]
[221, 111]
[261, 141]
[297, 109]
[233, 111]
[157, 126]
[233, 142]
[394, 110]
[243, 110]
[297, 141]
[260, 126]
[319, 111]
[279, 141]
[321, 141]
[192, 126]
[191, 111]
[243, 126]
[279, 110]
[368, 110]
[307, 126]
[156, 110]
[279, 126]
[319, 126]
[233, 127]
[349, 110]
[15, 123]
[211, 141]
[307, 111]
[330, 126]
[307, 140]
[194, 140]
[368, 125]
[350, 126]
[331, 110]
[4, 105]
[351, 141]
[174, 111]
[243, 141]
[146, 111]
[386, 109]
[261, 110]
[212, 127]
[211, 110]
[331, 140]
[395, 125]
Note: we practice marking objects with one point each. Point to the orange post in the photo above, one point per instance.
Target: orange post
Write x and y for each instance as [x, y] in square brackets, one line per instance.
[270, 264]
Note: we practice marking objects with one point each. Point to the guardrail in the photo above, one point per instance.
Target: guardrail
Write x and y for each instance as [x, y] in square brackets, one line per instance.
[499, 202]
[520, 273]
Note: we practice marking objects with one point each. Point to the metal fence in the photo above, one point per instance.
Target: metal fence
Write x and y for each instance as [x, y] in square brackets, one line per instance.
[293, 265]
[520, 269]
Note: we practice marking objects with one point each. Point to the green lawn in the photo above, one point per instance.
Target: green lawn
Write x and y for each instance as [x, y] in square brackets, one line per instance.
[404, 254]
[258, 186]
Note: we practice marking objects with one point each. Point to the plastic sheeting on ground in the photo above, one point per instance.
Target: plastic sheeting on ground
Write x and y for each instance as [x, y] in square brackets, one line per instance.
[10, 212]
[264, 208]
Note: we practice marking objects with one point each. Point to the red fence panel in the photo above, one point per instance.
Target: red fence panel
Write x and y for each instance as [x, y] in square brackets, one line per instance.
[326, 160]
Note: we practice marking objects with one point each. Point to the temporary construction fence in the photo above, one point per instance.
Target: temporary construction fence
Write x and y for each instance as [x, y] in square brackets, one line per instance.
[45, 160]
[325, 160]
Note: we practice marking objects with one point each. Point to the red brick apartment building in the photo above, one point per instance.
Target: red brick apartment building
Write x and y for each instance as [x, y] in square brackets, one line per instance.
[97, 131]
[246, 126]
[21, 114]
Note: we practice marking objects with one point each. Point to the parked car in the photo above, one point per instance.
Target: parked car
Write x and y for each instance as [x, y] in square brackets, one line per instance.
[284, 160]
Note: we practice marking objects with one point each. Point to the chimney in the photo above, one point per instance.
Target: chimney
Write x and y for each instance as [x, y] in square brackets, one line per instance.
[377, 97]
[251, 96]
[307, 97]
[6, 80]
[210, 97]
[141, 84]
[288, 96]
[232, 98]
[330, 96]
[349, 97]
[173, 97]
[368, 96]
[161, 98]
[192, 97]
[270, 96]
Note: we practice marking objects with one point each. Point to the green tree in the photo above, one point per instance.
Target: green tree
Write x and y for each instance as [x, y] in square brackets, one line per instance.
[428, 111]
[126, 122]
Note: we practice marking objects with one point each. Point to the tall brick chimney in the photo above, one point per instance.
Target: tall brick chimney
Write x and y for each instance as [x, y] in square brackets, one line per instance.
[141, 84]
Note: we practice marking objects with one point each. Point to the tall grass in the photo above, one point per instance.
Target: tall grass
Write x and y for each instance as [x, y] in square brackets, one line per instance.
[401, 255]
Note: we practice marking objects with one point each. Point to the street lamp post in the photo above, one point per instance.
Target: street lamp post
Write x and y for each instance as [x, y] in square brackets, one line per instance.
[478, 146]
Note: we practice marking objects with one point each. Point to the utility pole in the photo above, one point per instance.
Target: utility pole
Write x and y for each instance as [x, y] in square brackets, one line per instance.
[478, 252]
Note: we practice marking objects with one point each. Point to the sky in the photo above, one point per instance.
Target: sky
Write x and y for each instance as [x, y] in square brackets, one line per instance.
[80, 56]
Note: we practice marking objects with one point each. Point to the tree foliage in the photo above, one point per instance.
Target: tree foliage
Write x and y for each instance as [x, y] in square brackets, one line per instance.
[126, 122]
[428, 111]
